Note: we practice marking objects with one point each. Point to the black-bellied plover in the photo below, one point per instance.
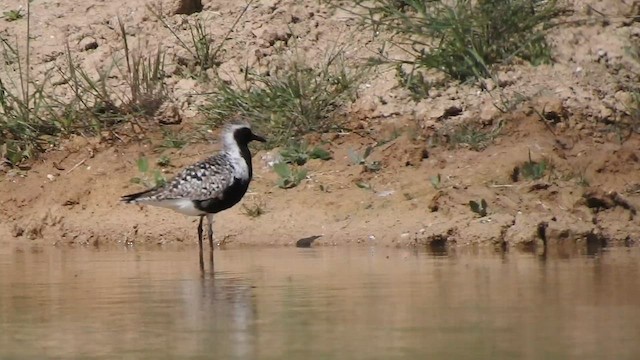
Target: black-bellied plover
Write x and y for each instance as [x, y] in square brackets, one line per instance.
[210, 185]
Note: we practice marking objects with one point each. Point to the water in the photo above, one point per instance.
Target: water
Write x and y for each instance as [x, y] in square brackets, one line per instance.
[319, 303]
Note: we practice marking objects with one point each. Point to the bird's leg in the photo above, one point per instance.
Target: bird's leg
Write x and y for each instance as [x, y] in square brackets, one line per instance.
[210, 234]
[200, 243]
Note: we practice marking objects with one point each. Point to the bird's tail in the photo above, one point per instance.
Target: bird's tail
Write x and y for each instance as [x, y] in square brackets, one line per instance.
[132, 198]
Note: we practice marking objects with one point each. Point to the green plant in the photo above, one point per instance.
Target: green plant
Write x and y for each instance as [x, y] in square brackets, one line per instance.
[364, 185]
[475, 137]
[289, 177]
[413, 81]
[361, 159]
[172, 140]
[144, 76]
[13, 15]
[24, 129]
[255, 210]
[632, 104]
[106, 105]
[634, 110]
[479, 208]
[163, 161]
[436, 181]
[147, 177]
[34, 117]
[298, 153]
[534, 170]
[460, 38]
[582, 180]
[298, 99]
[201, 42]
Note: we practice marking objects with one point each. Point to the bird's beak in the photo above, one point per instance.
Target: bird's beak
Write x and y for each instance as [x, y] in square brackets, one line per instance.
[258, 138]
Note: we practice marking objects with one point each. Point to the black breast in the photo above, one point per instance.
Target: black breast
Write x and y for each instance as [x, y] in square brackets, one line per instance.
[230, 196]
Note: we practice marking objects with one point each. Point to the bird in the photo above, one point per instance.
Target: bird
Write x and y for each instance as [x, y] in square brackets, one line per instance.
[208, 186]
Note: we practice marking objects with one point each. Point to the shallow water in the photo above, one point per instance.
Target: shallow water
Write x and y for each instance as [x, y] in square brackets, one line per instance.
[318, 303]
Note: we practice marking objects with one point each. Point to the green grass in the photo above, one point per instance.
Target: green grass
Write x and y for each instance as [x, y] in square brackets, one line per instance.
[534, 170]
[460, 38]
[361, 159]
[148, 178]
[471, 136]
[173, 140]
[24, 129]
[300, 98]
[289, 176]
[201, 44]
[254, 210]
[436, 181]
[34, 117]
[298, 153]
[632, 106]
[13, 15]
[479, 208]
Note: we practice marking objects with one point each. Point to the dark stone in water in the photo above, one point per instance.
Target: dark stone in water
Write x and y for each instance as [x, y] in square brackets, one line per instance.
[306, 242]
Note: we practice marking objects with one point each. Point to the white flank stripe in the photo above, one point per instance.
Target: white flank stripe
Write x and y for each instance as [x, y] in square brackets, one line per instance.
[182, 206]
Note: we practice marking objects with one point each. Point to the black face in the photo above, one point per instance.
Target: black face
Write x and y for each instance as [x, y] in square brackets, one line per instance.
[244, 136]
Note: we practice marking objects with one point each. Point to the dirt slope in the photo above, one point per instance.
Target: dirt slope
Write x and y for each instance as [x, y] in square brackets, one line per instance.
[589, 193]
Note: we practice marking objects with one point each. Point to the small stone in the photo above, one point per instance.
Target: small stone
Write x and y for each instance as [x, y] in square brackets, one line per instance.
[87, 44]
[271, 34]
[186, 7]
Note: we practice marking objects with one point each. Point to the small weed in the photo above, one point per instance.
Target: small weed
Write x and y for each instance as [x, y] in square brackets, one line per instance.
[172, 140]
[461, 38]
[413, 81]
[632, 189]
[144, 77]
[583, 181]
[296, 100]
[533, 170]
[474, 137]
[163, 161]
[364, 185]
[13, 15]
[24, 128]
[147, 177]
[479, 208]
[632, 105]
[436, 181]
[34, 117]
[579, 177]
[289, 177]
[299, 153]
[201, 43]
[358, 159]
[396, 133]
[254, 210]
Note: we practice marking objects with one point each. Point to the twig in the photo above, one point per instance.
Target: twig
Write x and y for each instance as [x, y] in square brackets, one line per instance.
[76, 165]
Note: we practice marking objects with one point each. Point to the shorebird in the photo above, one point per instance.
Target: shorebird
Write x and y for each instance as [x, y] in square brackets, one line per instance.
[210, 185]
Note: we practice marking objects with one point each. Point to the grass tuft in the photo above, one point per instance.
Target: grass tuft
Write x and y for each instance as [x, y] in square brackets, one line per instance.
[201, 44]
[34, 117]
[148, 178]
[13, 15]
[479, 208]
[298, 153]
[534, 170]
[461, 38]
[294, 101]
[289, 176]
[472, 136]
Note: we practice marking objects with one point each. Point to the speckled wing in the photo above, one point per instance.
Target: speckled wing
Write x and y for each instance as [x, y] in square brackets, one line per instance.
[203, 180]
